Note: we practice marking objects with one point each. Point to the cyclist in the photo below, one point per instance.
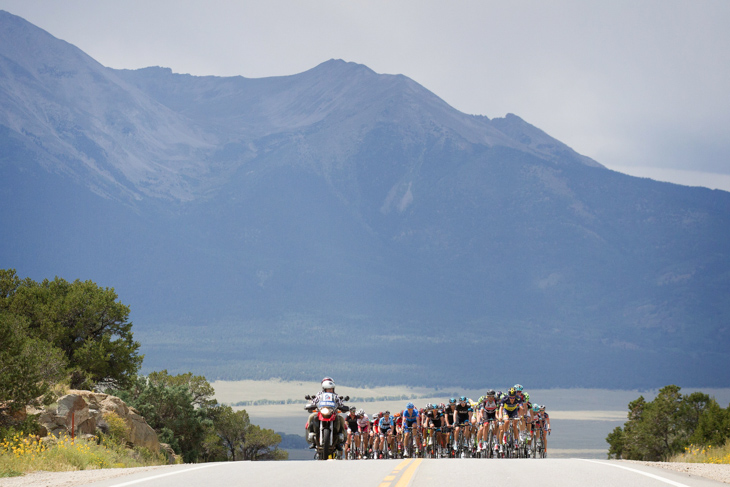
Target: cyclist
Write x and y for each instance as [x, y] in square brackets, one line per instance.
[385, 427]
[375, 433]
[524, 409]
[509, 411]
[363, 427]
[434, 420]
[544, 418]
[449, 412]
[463, 414]
[353, 430]
[398, 421]
[488, 408]
[410, 418]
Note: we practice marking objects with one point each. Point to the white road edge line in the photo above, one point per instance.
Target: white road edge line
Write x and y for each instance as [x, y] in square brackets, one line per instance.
[657, 477]
[146, 479]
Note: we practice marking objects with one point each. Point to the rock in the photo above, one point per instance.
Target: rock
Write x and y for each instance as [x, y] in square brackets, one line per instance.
[84, 410]
[172, 457]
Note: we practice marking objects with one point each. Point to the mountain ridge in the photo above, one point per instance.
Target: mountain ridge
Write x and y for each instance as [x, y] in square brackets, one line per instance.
[244, 220]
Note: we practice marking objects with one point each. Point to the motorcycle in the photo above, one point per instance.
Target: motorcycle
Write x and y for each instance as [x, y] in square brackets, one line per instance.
[324, 427]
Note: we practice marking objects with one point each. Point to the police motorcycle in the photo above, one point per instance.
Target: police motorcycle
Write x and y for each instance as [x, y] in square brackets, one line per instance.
[324, 423]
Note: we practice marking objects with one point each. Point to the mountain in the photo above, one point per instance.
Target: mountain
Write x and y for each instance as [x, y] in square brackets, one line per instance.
[345, 222]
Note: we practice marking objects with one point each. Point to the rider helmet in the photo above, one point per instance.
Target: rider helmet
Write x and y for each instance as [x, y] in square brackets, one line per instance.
[360, 412]
[518, 388]
[410, 405]
[542, 407]
[536, 408]
[462, 399]
[490, 393]
[452, 400]
[353, 409]
[512, 391]
[328, 383]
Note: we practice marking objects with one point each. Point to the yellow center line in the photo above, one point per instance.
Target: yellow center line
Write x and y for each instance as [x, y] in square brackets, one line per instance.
[406, 477]
[389, 478]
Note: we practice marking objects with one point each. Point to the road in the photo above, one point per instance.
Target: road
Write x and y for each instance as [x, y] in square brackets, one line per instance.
[416, 473]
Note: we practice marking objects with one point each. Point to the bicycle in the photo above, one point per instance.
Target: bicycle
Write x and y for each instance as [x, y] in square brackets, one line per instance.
[463, 448]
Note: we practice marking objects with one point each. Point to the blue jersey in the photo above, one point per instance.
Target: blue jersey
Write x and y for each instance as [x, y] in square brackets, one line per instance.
[410, 418]
[385, 424]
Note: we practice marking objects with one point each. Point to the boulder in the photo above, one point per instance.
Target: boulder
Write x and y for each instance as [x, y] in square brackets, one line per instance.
[85, 410]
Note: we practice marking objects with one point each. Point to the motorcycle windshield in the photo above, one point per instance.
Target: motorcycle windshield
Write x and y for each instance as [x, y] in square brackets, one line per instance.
[327, 401]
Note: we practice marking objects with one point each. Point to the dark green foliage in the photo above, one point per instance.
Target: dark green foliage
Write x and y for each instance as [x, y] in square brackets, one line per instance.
[658, 429]
[28, 366]
[169, 408]
[82, 320]
[182, 410]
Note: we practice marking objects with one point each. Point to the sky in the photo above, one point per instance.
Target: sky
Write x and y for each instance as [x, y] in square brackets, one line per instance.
[641, 86]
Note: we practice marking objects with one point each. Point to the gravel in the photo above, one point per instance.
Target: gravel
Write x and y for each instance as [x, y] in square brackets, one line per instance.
[70, 479]
[720, 472]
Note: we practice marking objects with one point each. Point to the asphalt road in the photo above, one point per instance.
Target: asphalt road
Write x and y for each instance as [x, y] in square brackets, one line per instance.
[418, 473]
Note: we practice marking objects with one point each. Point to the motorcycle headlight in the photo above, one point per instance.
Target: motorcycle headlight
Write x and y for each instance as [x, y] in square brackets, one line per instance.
[326, 412]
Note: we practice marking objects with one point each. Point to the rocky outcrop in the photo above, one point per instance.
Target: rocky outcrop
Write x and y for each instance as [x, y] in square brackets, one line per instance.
[81, 412]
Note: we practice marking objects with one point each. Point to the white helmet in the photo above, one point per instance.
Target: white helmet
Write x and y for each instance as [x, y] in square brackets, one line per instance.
[328, 383]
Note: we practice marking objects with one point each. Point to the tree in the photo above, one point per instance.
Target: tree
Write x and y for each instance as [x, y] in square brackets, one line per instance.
[29, 367]
[83, 320]
[261, 444]
[169, 410]
[232, 428]
[663, 427]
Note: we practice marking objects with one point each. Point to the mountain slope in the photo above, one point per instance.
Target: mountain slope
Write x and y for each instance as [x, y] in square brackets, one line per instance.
[248, 221]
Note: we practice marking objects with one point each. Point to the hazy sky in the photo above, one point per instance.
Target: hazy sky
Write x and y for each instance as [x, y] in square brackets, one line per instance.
[641, 86]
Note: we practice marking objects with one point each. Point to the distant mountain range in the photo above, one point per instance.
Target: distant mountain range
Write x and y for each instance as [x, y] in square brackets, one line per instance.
[349, 223]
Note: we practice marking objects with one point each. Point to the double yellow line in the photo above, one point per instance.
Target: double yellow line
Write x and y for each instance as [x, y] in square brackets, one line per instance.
[400, 478]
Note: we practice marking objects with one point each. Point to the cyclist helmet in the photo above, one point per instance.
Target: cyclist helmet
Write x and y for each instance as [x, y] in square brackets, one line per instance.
[353, 409]
[527, 397]
[518, 388]
[442, 406]
[386, 413]
[360, 412]
[421, 411]
[397, 414]
[410, 405]
[512, 391]
[328, 383]
[542, 408]
[452, 400]
[429, 406]
[462, 399]
[490, 393]
[536, 408]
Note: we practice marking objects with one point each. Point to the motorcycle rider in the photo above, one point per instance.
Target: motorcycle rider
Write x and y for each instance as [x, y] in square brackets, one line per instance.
[328, 386]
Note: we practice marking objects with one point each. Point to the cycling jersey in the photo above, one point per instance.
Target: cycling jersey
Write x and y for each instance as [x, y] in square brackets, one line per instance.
[490, 408]
[352, 423]
[435, 418]
[385, 424]
[410, 418]
[510, 406]
[363, 424]
[462, 413]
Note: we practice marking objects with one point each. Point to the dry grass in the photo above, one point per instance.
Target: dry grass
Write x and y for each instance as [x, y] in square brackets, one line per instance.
[704, 454]
[20, 454]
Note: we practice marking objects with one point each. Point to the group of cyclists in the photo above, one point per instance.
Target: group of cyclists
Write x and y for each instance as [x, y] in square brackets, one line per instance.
[497, 425]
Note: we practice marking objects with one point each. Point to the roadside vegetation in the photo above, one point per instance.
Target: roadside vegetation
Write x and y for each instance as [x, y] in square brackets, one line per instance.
[673, 427]
[58, 335]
